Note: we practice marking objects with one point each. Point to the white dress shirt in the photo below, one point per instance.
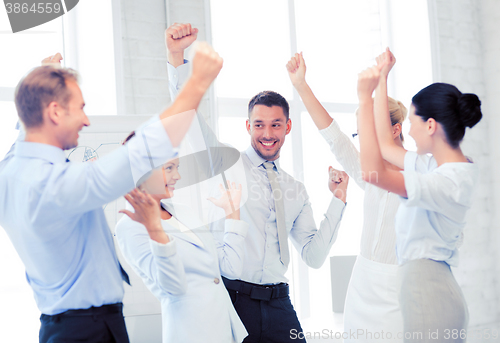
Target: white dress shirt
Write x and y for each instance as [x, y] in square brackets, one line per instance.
[378, 238]
[261, 261]
[430, 221]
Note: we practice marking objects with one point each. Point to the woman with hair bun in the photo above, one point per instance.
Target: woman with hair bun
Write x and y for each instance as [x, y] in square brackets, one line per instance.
[435, 191]
[372, 302]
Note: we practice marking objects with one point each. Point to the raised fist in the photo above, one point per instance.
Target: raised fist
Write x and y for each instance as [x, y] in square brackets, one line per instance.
[206, 64]
[179, 37]
[54, 60]
[367, 82]
[385, 62]
[296, 69]
[337, 183]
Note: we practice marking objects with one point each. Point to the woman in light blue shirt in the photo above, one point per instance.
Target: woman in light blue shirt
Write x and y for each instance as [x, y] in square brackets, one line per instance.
[436, 192]
[177, 258]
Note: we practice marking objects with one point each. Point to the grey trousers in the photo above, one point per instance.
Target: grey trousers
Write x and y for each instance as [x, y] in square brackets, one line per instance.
[432, 303]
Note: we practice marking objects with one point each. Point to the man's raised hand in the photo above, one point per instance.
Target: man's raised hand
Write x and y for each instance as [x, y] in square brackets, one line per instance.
[178, 38]
[54, 60]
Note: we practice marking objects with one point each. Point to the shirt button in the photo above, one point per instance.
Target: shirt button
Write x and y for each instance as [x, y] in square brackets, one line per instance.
[216, 281]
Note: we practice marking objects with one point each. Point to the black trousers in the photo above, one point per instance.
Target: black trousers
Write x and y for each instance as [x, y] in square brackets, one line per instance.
[96, 324]
[267, 321]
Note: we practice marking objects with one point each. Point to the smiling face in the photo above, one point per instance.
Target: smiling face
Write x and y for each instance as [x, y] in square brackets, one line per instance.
[161, 183]
[268, 127]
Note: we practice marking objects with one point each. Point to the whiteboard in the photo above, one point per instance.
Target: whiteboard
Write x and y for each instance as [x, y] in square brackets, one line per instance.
[141, 309]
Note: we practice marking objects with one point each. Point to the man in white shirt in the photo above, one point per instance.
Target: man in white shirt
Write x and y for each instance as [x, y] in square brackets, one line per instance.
[277, 208]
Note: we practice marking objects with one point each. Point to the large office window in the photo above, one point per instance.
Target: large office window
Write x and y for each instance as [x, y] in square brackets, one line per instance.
[338, 40]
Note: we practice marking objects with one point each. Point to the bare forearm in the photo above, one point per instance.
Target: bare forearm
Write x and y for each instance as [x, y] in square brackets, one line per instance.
[318, 113]
[157, 234]
[383, 125]
[178, 117]
[175, 58]
[370, 156]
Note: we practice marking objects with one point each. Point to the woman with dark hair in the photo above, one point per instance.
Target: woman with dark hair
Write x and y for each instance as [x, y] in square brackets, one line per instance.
[176, 256]
[436, 192]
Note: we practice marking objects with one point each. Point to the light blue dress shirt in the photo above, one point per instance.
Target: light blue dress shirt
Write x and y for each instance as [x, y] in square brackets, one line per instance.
[261, 261]
[430, 220]
[52, 212]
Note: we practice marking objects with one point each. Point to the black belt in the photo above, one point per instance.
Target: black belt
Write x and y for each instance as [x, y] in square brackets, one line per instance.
[93, 311]
[255, 291]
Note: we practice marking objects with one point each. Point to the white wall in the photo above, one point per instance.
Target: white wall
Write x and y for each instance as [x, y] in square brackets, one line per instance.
[468, 59]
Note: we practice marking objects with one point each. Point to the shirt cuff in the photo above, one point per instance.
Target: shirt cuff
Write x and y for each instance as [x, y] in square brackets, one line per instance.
[149, 149]
[238, 227]
[336, 207]
[331, 132]
[163, 250]
[177, 76]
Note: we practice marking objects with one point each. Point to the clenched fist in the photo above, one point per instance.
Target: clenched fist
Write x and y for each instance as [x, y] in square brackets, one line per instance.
[178, 38]
[54, 60]
[206, 65]
[296, 68]
[337, 183]
[367, 82]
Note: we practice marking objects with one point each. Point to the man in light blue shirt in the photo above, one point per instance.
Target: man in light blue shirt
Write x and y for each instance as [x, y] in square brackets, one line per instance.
[52, 210]
[261, 296]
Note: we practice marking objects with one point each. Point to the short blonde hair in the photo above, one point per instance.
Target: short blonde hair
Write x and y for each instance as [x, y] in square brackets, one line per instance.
[398, 113]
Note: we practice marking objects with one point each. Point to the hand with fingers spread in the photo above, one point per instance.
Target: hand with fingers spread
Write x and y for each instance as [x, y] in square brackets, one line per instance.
[178, 38]
[367, 82]
[229, 200]
[385, 62]
[337, 183]
[296, 68]
[54, 60]
[147, 212]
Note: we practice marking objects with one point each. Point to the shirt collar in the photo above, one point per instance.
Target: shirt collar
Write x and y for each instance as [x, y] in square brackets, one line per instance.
[46, 152]
[257, 160]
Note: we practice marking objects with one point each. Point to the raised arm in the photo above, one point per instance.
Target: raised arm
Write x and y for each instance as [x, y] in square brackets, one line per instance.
[341, 146]
[314, 244]
[390, 151]
[206, 66]
[178, 37]
[297, 72]
[372, 164]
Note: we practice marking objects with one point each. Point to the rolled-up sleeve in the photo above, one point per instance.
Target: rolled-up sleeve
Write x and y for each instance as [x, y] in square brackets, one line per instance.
[431, 191]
